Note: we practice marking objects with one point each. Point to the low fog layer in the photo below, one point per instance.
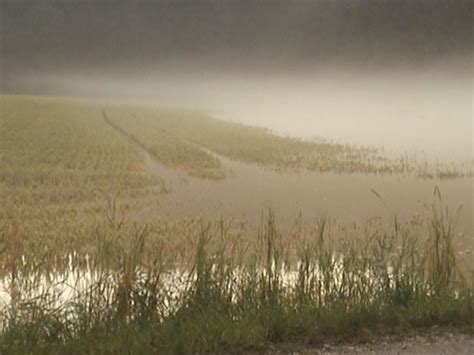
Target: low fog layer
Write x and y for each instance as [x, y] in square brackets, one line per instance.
[428, 112]
[396, 73]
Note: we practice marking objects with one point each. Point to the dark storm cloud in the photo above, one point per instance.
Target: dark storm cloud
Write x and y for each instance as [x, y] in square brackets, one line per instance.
[119, 36]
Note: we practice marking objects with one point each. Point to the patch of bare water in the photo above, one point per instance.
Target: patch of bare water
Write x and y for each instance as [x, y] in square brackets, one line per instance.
[251, 189]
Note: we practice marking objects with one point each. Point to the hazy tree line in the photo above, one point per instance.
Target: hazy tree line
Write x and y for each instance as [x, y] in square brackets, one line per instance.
[78, 33]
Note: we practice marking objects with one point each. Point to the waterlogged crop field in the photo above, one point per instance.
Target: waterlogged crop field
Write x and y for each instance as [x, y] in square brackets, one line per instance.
[146, 216]
[68, 164]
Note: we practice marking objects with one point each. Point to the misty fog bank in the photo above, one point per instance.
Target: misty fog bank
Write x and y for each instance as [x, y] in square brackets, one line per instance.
[425, 111]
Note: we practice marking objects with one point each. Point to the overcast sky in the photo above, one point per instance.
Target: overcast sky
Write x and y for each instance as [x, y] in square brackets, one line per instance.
[133, 37]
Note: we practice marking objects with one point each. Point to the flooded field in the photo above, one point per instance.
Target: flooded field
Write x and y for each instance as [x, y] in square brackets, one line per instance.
[131, 214]
[175, 165]
[252, 189]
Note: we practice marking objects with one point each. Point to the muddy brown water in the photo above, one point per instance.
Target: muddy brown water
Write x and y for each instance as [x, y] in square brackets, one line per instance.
[250, 190]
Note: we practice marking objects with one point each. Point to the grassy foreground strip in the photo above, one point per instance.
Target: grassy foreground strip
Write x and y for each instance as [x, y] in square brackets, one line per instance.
[226, 294]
